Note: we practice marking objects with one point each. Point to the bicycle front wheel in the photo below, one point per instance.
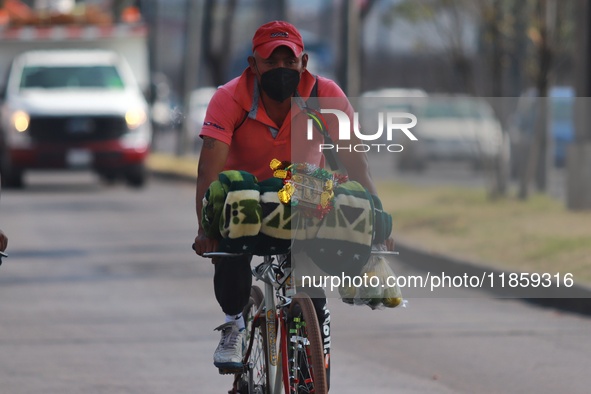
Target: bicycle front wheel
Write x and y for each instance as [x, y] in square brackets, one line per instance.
[305, 358]
[255, 379]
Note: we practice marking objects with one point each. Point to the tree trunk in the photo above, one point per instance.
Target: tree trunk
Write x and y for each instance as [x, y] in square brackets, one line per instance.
[217, 58]
[538, 163]
[579, 153]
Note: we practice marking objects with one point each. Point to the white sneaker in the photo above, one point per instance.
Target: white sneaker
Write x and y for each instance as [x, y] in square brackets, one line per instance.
[228, 355]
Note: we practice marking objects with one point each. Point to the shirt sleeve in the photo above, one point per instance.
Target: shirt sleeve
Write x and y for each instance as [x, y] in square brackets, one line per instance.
[222, 116]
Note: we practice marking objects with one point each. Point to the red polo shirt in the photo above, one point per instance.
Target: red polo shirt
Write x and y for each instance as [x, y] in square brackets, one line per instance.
[236, 116]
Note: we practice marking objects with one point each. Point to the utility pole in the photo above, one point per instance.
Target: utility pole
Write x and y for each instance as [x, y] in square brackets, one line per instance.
[353, 51]
[191, 66]
[350, 71]
[579, 153]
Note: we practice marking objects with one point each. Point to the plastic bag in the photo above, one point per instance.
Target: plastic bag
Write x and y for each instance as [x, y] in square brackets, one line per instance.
[375, 287]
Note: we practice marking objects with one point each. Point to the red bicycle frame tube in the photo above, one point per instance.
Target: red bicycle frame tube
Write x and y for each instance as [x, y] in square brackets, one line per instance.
[284, 354]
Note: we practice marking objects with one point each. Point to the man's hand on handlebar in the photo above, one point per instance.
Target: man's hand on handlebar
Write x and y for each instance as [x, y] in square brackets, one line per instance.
[204, 244]
[3, 241]
[389, 243]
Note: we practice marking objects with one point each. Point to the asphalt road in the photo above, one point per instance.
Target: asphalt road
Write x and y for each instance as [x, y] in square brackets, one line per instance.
[102, 294]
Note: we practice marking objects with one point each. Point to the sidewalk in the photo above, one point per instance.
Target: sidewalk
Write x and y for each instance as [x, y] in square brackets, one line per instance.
[575, 299]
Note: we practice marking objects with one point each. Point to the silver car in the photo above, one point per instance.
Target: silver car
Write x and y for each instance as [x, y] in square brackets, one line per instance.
[453, 128]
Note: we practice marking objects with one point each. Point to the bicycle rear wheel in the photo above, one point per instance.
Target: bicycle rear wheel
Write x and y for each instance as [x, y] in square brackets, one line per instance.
[254, 380]
[305, 358]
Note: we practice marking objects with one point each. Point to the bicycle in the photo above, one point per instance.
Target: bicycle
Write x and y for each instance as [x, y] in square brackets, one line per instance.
[284, 345]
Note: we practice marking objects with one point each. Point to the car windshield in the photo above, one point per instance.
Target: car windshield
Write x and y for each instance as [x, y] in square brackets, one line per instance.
[71, 77]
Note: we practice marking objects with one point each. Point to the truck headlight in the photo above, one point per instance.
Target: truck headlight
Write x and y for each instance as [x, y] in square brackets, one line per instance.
[20, 121]
[135, 118]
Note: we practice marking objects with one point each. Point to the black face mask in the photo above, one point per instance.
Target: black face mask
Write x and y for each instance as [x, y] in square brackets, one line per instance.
[280, 83]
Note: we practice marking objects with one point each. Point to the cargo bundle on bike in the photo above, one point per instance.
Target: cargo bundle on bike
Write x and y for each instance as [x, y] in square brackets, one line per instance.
[302, 208]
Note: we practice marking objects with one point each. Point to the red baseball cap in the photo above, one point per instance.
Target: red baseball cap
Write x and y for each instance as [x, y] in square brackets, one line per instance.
[274, 34]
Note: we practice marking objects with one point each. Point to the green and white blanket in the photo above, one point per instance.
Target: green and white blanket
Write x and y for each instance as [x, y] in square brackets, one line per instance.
[248, 217]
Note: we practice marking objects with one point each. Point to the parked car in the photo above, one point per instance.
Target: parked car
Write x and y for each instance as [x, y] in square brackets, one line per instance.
[373, 102]
[395, 93]
[453, 128]
[161, 99]
[560, 122]
[198, 102]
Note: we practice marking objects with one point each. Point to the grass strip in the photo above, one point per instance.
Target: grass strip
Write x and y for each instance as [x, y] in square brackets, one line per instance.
[537, 235]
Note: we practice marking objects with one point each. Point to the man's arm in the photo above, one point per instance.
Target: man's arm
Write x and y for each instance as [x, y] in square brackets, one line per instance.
[211, 162]
[357, 167]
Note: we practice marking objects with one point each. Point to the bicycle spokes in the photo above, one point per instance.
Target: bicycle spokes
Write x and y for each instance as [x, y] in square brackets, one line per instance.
[253, 380]
[301, 379]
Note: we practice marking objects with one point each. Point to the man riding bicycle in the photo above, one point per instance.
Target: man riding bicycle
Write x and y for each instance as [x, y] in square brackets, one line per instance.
[247, 125]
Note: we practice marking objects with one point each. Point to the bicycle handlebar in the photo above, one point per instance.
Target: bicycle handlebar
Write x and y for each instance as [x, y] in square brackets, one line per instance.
[227, 254]
[223, 254]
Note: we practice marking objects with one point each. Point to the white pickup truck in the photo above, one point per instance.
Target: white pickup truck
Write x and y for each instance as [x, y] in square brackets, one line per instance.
[74, 109]
[73, 97]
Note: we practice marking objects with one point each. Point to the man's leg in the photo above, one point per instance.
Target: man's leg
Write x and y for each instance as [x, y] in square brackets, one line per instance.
[232, 281]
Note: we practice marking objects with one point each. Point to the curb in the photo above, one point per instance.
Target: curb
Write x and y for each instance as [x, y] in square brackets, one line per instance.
[577, 299]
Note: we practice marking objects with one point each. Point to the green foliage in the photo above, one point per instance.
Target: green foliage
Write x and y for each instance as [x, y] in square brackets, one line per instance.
[533, 236]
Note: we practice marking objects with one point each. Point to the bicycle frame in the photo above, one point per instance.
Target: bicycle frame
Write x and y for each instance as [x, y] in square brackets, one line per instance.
[279, 288]
[275, 323]
[275, 318]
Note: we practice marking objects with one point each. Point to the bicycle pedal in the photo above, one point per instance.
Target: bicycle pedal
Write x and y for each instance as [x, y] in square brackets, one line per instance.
[231, 371]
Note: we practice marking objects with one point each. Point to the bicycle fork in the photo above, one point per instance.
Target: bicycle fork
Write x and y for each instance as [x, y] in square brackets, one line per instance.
[276, 320]
[274, 328]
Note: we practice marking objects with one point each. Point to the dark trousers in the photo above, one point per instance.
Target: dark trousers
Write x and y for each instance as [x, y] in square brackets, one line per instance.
[232, 280]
